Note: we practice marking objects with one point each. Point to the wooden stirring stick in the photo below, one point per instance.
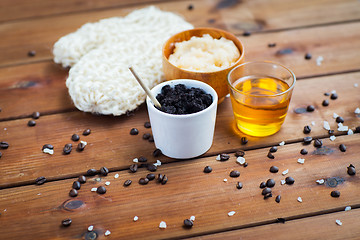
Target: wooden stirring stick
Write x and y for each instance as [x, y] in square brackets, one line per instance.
[146, 89]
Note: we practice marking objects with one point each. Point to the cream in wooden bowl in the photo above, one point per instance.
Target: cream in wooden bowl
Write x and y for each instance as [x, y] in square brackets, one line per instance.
[205, 54]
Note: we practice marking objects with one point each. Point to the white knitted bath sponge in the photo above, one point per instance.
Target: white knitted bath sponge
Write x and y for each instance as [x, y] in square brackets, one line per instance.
[100, 53]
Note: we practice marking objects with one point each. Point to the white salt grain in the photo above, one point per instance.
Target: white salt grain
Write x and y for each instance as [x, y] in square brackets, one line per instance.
[333, 91]
[342, 128]
[116, 175]
[192, 218]
[107, 233]
[48, 151]
[231, 213]
[320, 181]
[282, 182]
[162, 225]
[332, 138]
[225, 180]
[319, 60]
[107, 183]
[5, 129]
[356, 85]
[301, 160]
[158, 163]
[282, 143]
[136, 218]
[228, 95]
[348, 208]
[326, 125]
[338, 222]
[83, 142]
[135, 160]
[90, 228]
[299, 199]
[94, 189]
[335, 115]
[218, 157]
[313, 123]
[240, 160]
[357, 111]
[285, 172]
[350, 132]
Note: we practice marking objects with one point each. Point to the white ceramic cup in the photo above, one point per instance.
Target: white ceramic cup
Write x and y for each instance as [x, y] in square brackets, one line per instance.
[183, 136]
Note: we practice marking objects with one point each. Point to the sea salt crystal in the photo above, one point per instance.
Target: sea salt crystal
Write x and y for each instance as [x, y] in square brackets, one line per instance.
[332, 138]
[320, 181]
[335, 115]
[162, 225]
[350, 132]
[136, 218]
[83, 142]
[5, 129]
[192, 218]
[319, 60]
[342, 128]
[348, 208]
[218, 157]
[333, 91]
[231, 213]
[39, 194]
[356, 85]
[48, 151]
[107, 183]
[282, 143]
[285, 172]
[225, 180]
[357, 111]
[94, 189]
[240, 160]
[90, 228]
[326, 125]
[135, 160]
[158, 163]
[299, 199]
[338, 222]
[282, 182]
[313, 123]
[107, 233]
[116, 175]
[301, 160]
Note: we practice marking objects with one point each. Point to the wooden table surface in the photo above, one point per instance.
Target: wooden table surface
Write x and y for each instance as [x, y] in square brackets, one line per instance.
[323, 28]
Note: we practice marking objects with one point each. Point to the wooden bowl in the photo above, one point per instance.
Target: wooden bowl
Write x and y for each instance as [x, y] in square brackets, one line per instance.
[217, 79]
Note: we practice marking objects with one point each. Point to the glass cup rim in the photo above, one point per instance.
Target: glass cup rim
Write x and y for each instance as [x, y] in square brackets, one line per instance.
[262, 62]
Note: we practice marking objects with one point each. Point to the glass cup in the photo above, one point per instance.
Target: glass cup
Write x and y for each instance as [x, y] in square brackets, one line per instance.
[260, 94]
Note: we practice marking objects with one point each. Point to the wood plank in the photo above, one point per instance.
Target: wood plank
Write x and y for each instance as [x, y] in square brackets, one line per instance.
[188, 192]
[20, 37]
[319, 227]
[110, 141]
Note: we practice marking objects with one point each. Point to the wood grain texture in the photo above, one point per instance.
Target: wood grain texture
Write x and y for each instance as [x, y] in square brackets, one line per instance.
[111, 145]
[188, 192]
[319, 227]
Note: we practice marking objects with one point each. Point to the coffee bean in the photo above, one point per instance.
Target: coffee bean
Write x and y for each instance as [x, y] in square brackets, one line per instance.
[157, 152]
[0, 154]
[81, 146]
[142, 159]
[207, 169]
[66, 222]
[270, 155]
[150, 176]
[151, 167]
[335, 194]
[274, 169]
[67, 148]
[160, 178]
[270, 183]
[101, 190]
[35, 115]
[308, 56]
[234, 174]
[91, 172]
[318, 143]
[147, 125]
[351, 170]
[339, 119]
[303, 151]
[146, 136]
[244, 140]
[310, 108]
[245, 164]
[239, 185]
[31, 53]
[76, 185]
[342, 147]
[224, 157]
[271, 45]
[188, 223]
[87, 132]
[151, 139]
[143, 181]
[307, 140]
[73, 193]
[307, 129]
[127, 183]
[268, 195]
[48, 146]
[4, 145]
[239, 153]
[246, 34]
[75, 137]
[164, 180]
[82, 179]
[357, 129]
[289, 180]
[40, 180]
[190, 7]
[134, 131]
[262, 185]
[325, 103]
[31, 123]
[333, 96]
[278, 198]
[266, 191]
[133, 168]
[326, 94]
[104, 171]
[273, 149]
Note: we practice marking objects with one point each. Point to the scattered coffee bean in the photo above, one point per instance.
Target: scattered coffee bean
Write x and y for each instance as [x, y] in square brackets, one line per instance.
[326, 94]
[289, 180]
[239, 185]
[143, 181]
[76, 185]
[308, 56]
[303, 151]
[101, 190]
[48, 146]
[151, 167]
[339, 119]
[91, 172]
[4, 145]
[150, 176]
[246, 34]
[35, 115]
[270, 183]
[307, 129]
[0, 154]
[190, 7]
[333, 96]
[239, 153]
[81, 146]
[146, 136]
[351, 170]
[245, 164]
[262, 185]
[271, 45]
[278, 198]
[133, 168]
[268, 195]
[134, 131]
[160, 178]
[310, 108]
[318, 143]
[234, 174]
[151, 139]
[40, 180]
[147, 125]
[82, 179]
[157, 152]
[207, 169]
[266, 191]
[188, 223]
[357, 129]
[273, 149]
[142, 159]
[127, 183]
[342, 147]
[31, 53]
[331, 132]
[274, 169]
[224, 157]
[244, 140]
[73, 193]
[75, 137]
[67, 148]
[66, 222]
[87, 132]
[164, 180]
[307, 140]
[31, 123]
[325, 103]
[270, 155]
[335, 194]
[104, 171]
